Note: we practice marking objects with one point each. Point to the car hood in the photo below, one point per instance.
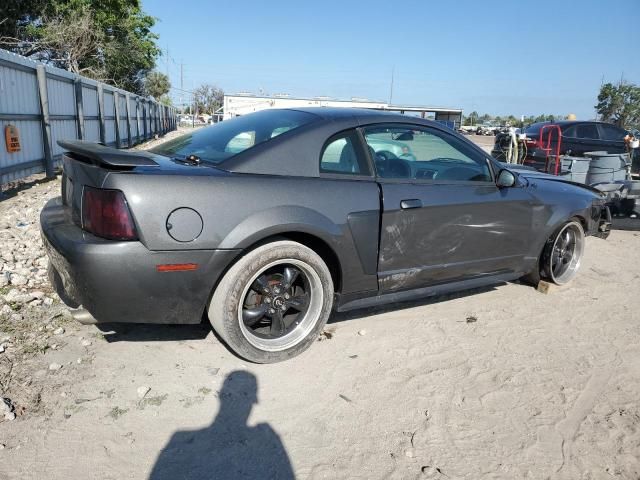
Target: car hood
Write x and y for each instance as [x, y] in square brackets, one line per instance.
[531, 174]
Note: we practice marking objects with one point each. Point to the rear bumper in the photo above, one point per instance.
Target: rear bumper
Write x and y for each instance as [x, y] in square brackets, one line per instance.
[118, 281]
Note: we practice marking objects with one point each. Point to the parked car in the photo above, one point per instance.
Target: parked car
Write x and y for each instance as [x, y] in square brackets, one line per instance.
[389, 148]
[264, 235]
[485, 130]
[577, 138]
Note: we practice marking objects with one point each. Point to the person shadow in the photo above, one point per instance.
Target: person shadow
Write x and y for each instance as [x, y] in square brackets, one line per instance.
[228, 448]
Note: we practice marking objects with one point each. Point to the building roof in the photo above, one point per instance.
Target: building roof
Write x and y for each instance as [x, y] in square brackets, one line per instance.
[361, 101]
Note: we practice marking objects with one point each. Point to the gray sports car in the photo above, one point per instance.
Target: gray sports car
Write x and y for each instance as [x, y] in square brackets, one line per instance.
[266, 223]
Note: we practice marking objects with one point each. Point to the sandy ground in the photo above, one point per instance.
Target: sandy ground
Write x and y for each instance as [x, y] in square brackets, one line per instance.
[499, 383]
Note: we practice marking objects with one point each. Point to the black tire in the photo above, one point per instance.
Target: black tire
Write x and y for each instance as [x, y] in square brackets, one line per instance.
[228, 304]
[544, 269]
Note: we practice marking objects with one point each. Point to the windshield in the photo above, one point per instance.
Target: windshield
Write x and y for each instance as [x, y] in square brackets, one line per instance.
[534, 128]
[223, 140]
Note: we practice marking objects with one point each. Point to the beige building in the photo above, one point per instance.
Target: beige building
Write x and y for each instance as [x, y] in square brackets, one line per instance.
[241, 104]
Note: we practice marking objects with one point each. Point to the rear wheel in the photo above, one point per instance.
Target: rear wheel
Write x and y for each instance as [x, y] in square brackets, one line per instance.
[561, 257]
[273, 303]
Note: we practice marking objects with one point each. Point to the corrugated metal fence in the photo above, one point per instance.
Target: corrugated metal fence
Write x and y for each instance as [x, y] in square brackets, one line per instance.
[47, 104]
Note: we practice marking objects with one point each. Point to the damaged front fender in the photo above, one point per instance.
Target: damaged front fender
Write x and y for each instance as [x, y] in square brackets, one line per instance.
[604, 223]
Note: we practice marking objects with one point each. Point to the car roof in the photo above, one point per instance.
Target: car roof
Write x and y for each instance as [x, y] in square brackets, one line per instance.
[296, 153]
[334, 113]
[564, 123]
[364, 116]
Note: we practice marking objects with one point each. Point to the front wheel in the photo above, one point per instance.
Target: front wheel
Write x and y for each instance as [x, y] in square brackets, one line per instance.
[273, 303]
[561, 257]
[561, 260]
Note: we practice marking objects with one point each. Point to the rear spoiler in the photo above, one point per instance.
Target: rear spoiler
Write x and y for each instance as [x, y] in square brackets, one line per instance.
[99, 155]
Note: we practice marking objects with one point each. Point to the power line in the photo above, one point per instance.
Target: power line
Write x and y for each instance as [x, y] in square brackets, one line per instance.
[167, 62]
[182, 90]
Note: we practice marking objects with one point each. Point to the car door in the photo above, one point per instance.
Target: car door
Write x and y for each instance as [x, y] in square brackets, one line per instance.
[345, 167]
[443, 217]
[581, 138]
[612, 138]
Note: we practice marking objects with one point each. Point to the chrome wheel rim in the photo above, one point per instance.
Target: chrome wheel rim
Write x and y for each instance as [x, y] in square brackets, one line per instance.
[280, 305]
[566, 253]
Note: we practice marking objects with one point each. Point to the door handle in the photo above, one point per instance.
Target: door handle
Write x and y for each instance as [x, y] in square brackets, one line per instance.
[410, 203]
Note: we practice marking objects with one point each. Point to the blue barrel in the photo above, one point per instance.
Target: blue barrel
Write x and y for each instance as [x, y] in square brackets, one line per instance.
[607, 167]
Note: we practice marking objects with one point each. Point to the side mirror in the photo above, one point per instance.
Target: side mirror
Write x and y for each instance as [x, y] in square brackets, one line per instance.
[505, 179]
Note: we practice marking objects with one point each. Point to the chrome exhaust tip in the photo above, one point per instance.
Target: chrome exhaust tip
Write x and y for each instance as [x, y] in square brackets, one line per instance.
[83, 316]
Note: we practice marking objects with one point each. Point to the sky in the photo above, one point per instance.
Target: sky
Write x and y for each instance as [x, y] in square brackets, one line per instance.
[496, 57]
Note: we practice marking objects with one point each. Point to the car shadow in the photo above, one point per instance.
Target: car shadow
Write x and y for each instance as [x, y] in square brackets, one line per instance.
[228, 448]
[404, 305]
[140, 332]
[143, 332]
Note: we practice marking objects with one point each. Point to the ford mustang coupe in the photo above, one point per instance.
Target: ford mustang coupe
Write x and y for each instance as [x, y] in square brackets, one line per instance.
[266, 223]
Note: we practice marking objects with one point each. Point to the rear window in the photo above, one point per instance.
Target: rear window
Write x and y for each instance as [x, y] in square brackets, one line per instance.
[611, 132]
[223, 140]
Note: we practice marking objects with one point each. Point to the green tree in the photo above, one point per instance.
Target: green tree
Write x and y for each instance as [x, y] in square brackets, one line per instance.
[528, 120]
[208, 98]
[16, 14]
[156, 84]
[619, 104]
[166, 100]
[472, 119]
[110, 40]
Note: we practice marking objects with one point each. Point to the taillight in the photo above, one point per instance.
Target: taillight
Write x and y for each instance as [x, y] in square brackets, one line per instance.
[105, 213]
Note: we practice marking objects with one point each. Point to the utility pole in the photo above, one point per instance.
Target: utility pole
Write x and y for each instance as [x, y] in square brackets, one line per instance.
[594, 108]
[181, 85]
[391, 88]
[167, 64]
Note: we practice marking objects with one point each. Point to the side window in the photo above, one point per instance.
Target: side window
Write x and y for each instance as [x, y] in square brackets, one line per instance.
[424, 153]
[587, 130]
[611, 133]
[241, 142]
[569, 131]
[280, 131]
[341, 155]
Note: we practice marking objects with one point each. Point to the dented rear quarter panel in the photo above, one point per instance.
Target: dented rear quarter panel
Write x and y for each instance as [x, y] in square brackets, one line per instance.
[240, 210]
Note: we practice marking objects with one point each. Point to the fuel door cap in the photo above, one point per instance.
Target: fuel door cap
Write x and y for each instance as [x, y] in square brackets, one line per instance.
[184, 224]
